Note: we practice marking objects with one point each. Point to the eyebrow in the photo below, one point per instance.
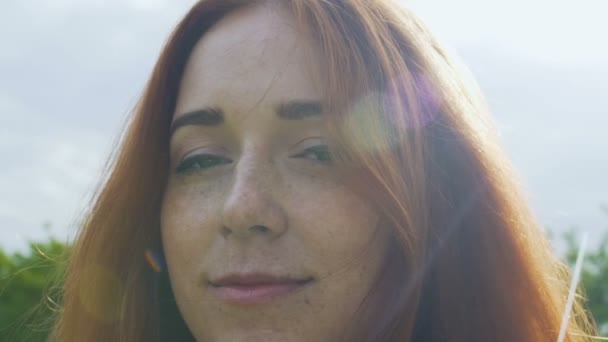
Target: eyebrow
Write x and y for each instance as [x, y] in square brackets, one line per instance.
[298, 110]
[211, 117]
[202, 117]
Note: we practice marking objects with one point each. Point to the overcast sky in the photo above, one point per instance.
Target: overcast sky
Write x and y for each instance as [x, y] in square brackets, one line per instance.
[70, 70]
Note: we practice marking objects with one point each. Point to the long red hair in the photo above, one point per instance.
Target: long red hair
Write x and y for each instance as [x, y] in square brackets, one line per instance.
[470, 263]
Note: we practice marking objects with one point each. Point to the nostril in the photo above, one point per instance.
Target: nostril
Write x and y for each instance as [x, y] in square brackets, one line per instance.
[259, 229]
[225, 231]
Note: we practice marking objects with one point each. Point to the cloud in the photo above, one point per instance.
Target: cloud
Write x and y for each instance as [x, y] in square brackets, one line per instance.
[48, 167]
[71, 70]
[553, 122]
[561, 33]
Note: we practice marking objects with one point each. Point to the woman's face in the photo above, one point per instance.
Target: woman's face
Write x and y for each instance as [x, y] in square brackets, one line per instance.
[262, 239]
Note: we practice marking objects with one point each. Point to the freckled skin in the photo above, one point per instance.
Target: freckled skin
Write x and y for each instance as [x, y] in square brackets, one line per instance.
[315, 226]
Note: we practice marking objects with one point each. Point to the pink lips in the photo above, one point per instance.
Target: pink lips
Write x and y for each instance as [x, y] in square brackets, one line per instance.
[254, 288]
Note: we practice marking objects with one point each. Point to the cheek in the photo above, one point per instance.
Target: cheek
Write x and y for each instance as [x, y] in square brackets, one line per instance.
[347, 246]
[187, 227]
[341, 228]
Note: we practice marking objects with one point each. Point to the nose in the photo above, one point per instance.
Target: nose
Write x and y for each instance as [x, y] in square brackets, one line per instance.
[250, 208]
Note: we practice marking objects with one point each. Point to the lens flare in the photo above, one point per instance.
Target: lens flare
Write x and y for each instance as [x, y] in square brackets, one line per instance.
[380, 120]
[154, 261]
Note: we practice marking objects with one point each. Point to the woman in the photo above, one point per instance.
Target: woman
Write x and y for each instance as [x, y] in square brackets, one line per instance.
[310, 170]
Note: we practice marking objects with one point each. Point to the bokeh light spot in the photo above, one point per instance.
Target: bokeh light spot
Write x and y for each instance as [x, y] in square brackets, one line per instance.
[100, 293]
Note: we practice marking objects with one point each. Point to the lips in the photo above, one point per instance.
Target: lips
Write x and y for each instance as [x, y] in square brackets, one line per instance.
[255, 288]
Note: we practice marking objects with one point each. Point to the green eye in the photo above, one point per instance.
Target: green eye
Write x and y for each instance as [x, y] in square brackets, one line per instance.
[320, 153]
[200, 162]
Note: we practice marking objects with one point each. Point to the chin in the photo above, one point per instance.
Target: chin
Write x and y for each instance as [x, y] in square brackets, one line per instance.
[258, 335]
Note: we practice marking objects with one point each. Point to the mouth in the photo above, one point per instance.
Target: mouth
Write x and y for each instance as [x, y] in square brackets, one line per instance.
[255, 288]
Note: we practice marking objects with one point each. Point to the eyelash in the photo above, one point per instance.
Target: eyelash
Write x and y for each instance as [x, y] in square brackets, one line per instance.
[317, 150]
[202, 161]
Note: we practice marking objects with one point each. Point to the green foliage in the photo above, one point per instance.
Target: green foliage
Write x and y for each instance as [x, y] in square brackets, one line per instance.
[594, 278]
[27, 294]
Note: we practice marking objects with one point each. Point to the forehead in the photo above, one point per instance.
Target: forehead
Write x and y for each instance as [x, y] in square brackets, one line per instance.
[253, 57]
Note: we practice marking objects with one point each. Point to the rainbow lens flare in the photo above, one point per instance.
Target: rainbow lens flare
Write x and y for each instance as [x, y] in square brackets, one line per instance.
[153, 260]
